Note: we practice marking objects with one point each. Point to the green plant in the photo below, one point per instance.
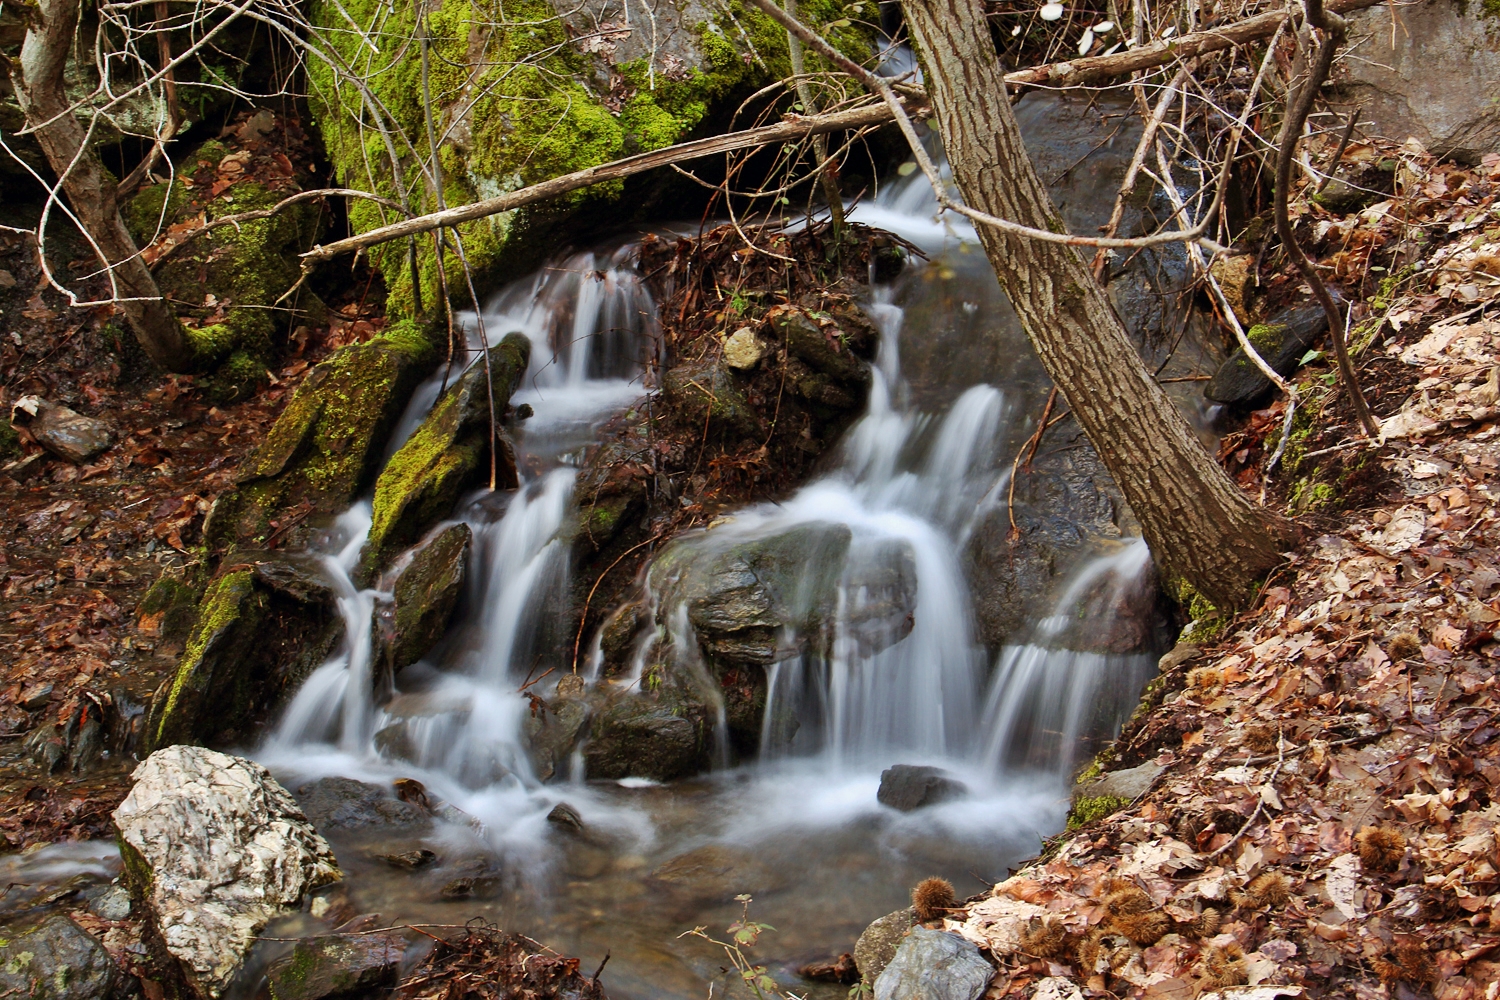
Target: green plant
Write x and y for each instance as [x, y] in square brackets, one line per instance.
[743, 934]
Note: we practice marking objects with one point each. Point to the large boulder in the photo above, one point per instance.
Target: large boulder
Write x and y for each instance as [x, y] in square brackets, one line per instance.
[446, 455]
[54, 959]
[215, 849]
[424, 596]
[260, 631]
[662, 735]
[325, 448]
[907, 787]
[1429, 75]
[934, 965]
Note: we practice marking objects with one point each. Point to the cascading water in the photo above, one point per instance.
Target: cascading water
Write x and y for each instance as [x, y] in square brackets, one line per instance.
[885, 666]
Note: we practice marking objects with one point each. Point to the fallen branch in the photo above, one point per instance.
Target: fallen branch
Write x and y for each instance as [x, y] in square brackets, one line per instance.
[1072, 73]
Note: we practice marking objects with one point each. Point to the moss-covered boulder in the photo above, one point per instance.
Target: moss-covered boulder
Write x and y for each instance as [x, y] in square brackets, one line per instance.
[425, 594]
[350, 965]
[326, 446]
[446, 455]
[261, 630]
[547, 89]
[1281, 342]
[641, 736]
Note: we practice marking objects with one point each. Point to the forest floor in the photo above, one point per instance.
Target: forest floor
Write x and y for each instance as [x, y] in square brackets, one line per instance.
[1316, 784]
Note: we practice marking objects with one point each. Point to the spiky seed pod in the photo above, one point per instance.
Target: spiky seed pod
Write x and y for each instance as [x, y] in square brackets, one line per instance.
[1144, 929]
[1404, 646]
[1045, 937]
[1126, 897]
[1409, 963]
[1221, 966]
[1205, 680]
[1207, 923]
[931, 898]
[1088, 951]
[1260, 737]
[1267, 889]
[1380, 848]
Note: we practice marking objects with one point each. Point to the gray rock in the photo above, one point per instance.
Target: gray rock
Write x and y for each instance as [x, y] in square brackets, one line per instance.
[908, 786]
[717, 873]
[426, 593]
[36, 696]
[336, 966]
[394, 742]
[934, 965]
[552, 735]
[1128, 784]
[1281, 341]
[878, 943]
[66, 433]
[216, 849]
[111, 904]
[54, 959]
[346, 804]
[1432, 76]
[639, 737]
[1177, 656]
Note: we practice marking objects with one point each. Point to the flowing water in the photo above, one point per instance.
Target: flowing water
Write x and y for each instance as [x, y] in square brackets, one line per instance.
[954, 392]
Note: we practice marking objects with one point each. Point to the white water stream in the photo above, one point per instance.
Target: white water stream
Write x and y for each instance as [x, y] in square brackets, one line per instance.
[801, 824]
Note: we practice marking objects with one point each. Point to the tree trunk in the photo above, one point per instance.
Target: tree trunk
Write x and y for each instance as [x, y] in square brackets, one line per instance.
[38, 81]
[1200, 526]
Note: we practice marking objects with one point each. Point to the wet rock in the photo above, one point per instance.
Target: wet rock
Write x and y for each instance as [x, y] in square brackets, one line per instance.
[934, 965]
[336, 966]
[840, 970]
[36, 696]
[410, 860]
[54, 959]
[259, 633]
[1430, 75]
[566, 817]
[446, 455]
[111, 904]
[553, 734]
[908, 787]
[1128, 784]
[642, 737]
[878, 943]
[325, 448]
[215, 848]
[394, 742]
[66, 433]
[426, 592]
[1281, 341]
[346, 804]
[707, 393]
[820, 345]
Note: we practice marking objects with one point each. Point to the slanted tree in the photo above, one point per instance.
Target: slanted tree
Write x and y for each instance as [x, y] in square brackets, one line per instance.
[1201, 528]
[38, 78]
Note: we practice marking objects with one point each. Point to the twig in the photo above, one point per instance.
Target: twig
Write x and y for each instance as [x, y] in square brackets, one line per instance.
[1339, 152]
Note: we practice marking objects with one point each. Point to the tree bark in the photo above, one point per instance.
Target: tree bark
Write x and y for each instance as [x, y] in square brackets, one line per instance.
[1200, 526]
[91, 189]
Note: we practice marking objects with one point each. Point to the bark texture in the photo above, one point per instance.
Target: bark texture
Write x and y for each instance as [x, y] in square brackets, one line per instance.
[90, 187]
[1199, 525]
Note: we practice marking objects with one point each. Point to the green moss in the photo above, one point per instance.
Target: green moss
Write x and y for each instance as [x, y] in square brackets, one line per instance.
[236, 379]
[1206, 622]
[530, 106]
[1091, 809]
[1490, 8]
[228, 604]
[1267, 338]
[173, 605]
[10, 442]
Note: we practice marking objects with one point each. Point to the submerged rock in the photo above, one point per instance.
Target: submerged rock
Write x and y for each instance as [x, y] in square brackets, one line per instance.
[878, 943]
[216, 849]
[337, 966]
[446, 455]
[934, 965]
[1281, 341]
[717, 872]
[54, 959]
[908, 787]
[346, 804]
[426, 592]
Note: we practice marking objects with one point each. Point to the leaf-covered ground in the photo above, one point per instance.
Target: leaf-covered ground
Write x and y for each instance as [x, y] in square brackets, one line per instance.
[1323, 822]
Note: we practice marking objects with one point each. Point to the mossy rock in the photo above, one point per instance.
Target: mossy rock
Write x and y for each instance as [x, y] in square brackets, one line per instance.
[1281, 342]
[640, 736]
[323, 967]
[425, 595]
[521, 99]
[260, 631]
[445, 456]
[246, 268]
[324, 449]
[708, 392]
[170, 608]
